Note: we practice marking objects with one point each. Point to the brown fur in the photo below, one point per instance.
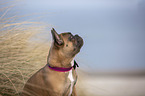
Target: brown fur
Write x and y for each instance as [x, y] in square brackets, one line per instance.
[47, 82]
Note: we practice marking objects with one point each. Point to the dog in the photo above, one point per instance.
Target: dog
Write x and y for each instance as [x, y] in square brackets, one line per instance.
[58, 77]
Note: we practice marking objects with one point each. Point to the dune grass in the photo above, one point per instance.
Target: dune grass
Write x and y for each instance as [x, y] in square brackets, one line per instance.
[22, 52]
[20, 56]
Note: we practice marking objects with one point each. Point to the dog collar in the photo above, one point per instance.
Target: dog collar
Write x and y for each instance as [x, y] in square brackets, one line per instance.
[61, 69]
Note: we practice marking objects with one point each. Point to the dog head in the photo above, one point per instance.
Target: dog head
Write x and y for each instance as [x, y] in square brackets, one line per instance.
[66, 44]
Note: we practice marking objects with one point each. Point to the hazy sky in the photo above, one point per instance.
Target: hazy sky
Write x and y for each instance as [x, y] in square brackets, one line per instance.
[113, 30]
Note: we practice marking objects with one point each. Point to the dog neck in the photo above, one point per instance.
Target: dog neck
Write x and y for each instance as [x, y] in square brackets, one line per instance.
[57, 60]
[62, 69]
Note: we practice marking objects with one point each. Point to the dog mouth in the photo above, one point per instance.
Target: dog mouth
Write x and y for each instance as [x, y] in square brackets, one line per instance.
[78, 41]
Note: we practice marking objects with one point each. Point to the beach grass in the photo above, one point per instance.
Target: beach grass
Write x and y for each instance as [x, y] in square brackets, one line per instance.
[23, 51]
[20, 56]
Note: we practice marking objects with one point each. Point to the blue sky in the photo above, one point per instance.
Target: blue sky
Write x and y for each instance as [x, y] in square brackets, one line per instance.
[113, 30]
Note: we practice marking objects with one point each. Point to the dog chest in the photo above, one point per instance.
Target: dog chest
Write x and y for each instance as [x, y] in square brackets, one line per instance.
[70, 77]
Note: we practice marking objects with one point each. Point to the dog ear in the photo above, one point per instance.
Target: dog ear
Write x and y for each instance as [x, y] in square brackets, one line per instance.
[56, 37]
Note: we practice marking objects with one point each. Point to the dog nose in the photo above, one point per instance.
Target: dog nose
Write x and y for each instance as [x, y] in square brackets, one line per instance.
[77, 35]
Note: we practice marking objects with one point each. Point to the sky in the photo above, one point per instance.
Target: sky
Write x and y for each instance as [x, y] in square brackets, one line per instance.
[113, 30]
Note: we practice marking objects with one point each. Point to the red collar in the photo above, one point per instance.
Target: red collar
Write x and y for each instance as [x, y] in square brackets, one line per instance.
[61, 69]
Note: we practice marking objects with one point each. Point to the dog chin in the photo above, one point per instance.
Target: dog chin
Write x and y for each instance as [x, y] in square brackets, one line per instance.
[79, 42]
[77, 48]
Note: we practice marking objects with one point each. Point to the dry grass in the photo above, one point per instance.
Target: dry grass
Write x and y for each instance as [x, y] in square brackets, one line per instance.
[20, 57]
[21, 54]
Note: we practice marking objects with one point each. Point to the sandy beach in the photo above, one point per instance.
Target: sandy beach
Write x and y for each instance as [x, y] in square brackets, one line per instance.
[112, 86]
